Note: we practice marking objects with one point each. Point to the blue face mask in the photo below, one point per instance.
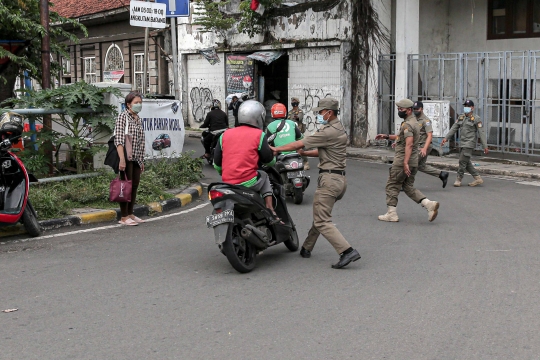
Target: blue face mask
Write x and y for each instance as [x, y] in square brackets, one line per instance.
[466, 110]
[320, 119]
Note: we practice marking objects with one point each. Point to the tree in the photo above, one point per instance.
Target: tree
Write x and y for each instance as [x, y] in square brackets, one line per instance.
[71, 98]
[21, 21]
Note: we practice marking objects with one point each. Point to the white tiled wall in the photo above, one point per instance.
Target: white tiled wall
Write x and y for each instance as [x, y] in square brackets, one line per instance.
[314, 73]
[205, 82]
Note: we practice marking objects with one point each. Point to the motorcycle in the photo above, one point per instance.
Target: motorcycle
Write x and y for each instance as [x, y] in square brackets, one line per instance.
[216, 134]
[14, 181]
[244, 227]
[291, 169]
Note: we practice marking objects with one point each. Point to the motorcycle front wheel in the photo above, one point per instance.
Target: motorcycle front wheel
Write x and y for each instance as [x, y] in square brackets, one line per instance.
[240, 253]
[30, 221]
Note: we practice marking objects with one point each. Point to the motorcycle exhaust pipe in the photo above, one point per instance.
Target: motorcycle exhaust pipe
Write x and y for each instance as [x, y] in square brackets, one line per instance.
[255, 237]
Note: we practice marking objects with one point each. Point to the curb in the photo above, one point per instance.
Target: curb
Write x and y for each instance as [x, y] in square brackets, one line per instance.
[453, 167]
[182, 199]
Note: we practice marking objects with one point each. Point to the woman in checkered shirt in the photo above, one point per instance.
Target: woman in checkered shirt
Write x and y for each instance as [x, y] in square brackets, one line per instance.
[130, 168]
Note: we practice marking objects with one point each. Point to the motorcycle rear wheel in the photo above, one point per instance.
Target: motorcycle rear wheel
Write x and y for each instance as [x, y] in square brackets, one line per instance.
[30, 220]
[298, 195]
[240, 253]
[293, 243]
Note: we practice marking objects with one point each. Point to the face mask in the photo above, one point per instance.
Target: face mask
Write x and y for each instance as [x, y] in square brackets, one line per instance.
[466, 110]
[320, 119]
[136, 108]
[402, 114]
[295, 104]
[417, 113]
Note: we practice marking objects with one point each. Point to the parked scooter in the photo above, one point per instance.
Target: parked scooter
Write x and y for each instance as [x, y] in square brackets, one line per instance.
[217, 134]
[291, 169]
[243, 226]
[14, 179]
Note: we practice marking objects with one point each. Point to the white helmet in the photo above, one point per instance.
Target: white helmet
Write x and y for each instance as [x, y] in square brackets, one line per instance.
[251, 113]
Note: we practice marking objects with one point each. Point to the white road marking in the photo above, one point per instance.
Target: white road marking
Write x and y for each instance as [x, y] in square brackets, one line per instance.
[532, 183]
[109, 226]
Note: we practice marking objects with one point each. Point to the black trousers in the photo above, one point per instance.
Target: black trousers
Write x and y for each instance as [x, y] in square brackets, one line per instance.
[133, 173]
[207, 142]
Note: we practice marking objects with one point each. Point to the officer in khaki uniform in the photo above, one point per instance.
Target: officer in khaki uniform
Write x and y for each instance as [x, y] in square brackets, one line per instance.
[471, 126]
[424, 144]
[405, 165]
[330, 143]
[297, 115]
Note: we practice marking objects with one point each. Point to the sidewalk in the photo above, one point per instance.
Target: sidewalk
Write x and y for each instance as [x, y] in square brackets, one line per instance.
[484, 164]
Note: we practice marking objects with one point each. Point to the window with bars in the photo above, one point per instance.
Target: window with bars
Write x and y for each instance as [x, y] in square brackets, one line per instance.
[66, 66]
[90, 75]
[114, 60]
[138, 71]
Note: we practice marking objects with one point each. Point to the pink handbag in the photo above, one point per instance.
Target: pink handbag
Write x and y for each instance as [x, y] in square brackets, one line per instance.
[120, 190]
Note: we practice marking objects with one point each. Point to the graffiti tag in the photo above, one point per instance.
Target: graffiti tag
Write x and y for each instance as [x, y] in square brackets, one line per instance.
[201, 100]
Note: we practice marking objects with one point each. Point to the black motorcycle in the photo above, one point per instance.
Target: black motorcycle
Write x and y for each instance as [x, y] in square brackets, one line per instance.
[291, 169]
[217, 134]
[243, 226]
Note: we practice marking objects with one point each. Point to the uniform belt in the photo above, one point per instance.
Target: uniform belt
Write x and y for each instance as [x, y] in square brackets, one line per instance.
[339, 172]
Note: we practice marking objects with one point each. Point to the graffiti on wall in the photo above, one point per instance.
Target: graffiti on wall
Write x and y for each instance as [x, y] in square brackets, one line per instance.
[311, 99]
[201, 100]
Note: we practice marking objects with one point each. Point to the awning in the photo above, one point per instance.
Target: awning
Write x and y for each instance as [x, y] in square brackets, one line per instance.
[266, 56]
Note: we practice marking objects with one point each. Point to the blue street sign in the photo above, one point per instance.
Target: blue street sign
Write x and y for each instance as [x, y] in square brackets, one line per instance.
[176, 8]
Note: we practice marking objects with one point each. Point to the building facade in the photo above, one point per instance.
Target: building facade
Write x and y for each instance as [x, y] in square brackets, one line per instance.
[113, 51]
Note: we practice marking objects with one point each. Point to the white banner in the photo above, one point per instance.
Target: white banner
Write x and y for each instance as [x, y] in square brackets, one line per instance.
[163, 127]
[147, 14]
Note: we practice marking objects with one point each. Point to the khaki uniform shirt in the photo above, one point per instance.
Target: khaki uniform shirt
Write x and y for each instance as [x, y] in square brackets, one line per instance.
[300, 114]
[331, 141]
[409, 128]
[470, 126]
[425, 129]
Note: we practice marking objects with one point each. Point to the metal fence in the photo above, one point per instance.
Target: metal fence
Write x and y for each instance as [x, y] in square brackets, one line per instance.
[503, 86]
[387, 98]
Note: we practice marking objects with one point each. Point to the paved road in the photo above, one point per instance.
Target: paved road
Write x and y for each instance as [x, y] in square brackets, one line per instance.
[463, 287]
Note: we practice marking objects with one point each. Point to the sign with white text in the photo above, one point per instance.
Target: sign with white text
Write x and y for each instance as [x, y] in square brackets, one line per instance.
[147, 14]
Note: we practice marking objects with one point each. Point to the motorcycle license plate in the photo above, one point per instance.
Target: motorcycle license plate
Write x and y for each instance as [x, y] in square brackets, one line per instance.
[295, 174]
[221, 218]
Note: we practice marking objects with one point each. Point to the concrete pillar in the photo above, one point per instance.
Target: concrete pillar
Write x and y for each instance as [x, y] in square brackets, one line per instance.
[407, 32]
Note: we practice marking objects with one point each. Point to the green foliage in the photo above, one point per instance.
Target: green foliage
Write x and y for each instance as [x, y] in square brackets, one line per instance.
[55, 200]
[35, 162]
[21, 21]
[209, 16]
[72, 98]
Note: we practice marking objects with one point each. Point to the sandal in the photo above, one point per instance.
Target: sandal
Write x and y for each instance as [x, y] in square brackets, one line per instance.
[136, 219]
[128, 221]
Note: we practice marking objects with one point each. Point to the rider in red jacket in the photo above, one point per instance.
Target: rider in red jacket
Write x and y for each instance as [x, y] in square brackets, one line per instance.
[240, 151]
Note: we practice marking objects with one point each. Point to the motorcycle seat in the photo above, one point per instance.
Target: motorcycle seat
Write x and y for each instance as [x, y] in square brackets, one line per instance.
[282, 157]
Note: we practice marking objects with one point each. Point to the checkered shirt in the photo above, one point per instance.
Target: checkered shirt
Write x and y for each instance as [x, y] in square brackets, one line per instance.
[136, 131]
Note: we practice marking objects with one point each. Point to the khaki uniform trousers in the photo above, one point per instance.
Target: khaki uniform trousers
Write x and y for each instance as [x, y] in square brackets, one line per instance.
[330, 188]
[425, 168]
[465, 163]
[399, 179]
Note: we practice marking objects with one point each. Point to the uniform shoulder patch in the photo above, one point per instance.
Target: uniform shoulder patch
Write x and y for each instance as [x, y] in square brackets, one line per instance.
[461, 117]
[428, 123]
[479, 124]
[472, 118]
[406, 130]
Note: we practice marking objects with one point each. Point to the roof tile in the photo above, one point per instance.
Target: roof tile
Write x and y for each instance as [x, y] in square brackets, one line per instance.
[77, 8]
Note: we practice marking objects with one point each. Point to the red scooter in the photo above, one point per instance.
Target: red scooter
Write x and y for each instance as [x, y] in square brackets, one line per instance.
[14, 179]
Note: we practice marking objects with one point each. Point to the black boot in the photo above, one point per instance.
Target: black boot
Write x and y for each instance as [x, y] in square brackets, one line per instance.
[305, 253]
[444, 177]
[346, 258]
